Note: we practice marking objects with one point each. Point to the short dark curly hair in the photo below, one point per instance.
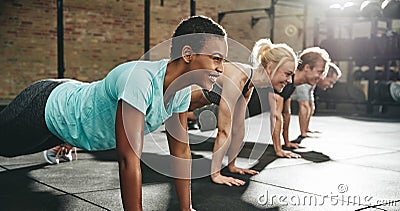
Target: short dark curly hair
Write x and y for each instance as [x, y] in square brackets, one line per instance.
[199, 28]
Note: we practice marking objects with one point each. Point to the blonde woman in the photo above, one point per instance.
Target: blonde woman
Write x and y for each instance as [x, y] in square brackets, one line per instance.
[273, 65]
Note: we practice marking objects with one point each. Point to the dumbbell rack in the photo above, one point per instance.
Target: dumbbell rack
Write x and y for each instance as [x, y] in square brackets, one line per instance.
[377, 49]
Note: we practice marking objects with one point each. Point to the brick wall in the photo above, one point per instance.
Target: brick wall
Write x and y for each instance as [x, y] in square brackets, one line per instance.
[98, 35]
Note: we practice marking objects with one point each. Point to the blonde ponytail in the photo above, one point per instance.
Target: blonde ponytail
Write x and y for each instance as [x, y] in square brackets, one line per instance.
[259, 49]
[264, 53]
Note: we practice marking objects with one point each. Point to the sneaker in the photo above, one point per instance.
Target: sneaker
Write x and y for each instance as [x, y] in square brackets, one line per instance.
[53, 155]
[68, 156]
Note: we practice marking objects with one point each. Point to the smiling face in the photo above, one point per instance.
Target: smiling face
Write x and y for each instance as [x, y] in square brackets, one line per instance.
[207, 64]
[283, 75]
[328, 82]
[313, 75]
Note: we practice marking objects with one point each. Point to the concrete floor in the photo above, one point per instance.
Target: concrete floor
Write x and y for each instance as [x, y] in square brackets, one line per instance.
[353, 164]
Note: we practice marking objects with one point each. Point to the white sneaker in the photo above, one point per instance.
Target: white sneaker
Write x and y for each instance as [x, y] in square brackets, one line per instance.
[68, 156]
[53, 157]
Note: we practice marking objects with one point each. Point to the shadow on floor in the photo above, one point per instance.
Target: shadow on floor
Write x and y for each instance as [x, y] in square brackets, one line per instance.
[205, 194]
[266, 153]
[20, 192]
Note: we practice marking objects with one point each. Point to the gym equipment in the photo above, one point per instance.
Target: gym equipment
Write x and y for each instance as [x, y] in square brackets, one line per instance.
[338, 49]
[207, 121]
[382, 92]
[380, 75]
[341, 92]
[362, 50]
[394, 90]
[357, 75]
[391, 8]
[207, 117]
[370, 9]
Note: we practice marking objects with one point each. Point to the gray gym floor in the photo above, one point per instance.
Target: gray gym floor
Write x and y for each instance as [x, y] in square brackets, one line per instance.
[352, 164]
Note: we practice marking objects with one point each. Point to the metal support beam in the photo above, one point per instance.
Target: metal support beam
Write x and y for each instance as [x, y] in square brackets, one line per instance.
[146, 29]
[305, 19]
[60, 40]
[271, 15]
[254, 20]
[192, 7]
[221, 15]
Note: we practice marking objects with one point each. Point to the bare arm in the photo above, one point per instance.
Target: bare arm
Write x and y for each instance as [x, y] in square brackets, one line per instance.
[130, 173]
[286, 121]
[304, 115]
[229, 96]
[178, 142]
[238, 133]
[273, 111]
[276, 134]
[312, 109]
[286, 124]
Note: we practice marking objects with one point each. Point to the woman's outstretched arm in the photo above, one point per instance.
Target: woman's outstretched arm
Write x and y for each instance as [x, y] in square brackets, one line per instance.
[129, 131]
[178, 142]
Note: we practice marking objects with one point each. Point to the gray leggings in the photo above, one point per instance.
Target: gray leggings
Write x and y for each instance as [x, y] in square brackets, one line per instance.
[23, 128]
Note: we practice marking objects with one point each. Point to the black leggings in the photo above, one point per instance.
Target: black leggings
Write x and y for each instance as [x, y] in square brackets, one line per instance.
[23, 129]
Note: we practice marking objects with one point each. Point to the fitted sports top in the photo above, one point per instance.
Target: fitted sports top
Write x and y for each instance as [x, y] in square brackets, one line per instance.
[214, 96]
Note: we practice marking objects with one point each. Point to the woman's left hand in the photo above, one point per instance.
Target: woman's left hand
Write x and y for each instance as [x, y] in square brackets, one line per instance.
[237, 170]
